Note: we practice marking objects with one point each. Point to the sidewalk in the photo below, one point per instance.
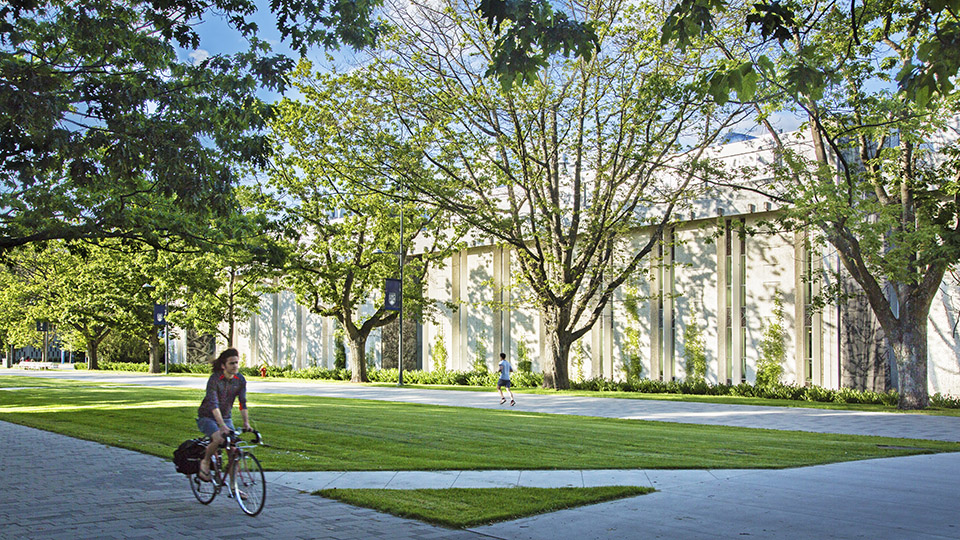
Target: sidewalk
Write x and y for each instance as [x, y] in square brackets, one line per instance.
[660, 479]
[52, 486]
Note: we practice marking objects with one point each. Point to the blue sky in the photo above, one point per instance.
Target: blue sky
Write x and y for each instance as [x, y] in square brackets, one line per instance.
[217, 37]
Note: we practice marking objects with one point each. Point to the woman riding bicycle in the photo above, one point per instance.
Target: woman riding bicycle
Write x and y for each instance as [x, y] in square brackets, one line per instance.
[213, 417]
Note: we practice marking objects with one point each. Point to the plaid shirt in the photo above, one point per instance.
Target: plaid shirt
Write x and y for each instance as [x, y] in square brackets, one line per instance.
[221, 391]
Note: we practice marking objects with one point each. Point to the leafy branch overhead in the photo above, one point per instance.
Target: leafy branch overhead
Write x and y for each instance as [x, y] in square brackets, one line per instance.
[529, 32]
[923, 39]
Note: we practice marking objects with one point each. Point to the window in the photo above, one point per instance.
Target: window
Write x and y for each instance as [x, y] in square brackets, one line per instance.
[743, 301]
[728, 296]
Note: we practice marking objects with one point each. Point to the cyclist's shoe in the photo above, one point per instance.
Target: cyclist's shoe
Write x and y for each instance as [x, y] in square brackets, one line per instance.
[202, 474]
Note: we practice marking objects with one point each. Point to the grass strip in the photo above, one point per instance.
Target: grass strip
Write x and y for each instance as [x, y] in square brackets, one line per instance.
[306, 433]
[463, 507]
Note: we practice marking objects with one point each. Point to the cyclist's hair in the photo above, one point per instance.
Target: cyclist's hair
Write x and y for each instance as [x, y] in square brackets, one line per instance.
[222, 359]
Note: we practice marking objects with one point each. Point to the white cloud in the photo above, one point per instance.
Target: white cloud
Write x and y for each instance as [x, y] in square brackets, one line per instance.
[198, 56]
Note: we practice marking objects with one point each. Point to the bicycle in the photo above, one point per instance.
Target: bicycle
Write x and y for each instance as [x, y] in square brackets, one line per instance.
[247, 482]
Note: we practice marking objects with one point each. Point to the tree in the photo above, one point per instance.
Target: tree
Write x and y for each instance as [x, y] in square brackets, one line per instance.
[931, 30]
[106, 133]
[873, 83]
[343, 209]
[562, 170]
[88, 293]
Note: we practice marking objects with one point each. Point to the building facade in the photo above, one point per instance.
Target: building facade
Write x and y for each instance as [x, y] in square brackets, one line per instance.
[717, 272]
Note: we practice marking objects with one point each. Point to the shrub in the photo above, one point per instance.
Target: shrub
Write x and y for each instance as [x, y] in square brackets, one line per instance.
[579, 355]
[772, 349]
[439, 354]
[631, 351]
[202, 367]
[945, 401]
[816, 393]
[694, 351]
[339, 350]
[124, 366]
[117, 347]
[524, 364]
[632, 360]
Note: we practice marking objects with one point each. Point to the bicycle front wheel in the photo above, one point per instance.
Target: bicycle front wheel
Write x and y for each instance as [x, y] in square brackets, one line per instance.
[203, 491]
[249, 484]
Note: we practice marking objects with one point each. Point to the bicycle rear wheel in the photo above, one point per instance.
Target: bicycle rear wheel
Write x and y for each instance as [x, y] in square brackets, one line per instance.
[203, 491]
[249, 484]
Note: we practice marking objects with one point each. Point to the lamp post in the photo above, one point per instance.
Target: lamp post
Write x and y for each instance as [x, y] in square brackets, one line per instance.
[160, 318]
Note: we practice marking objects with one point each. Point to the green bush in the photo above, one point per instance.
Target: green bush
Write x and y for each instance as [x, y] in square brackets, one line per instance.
[202, 367]
[339, 350]
[124, 366]
[579, 355]
[524, 364]
[945, 402]
[772, 348]
[816, 393]
[694, 351]
[439, 354]
[117, 347]
[632, 359]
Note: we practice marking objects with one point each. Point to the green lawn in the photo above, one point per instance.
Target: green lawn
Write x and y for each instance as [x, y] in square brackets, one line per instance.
[459, 507]
[305, 433]
[315, 433]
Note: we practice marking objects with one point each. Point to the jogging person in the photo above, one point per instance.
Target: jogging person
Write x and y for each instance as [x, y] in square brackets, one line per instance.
[225, 385]
[505, 369]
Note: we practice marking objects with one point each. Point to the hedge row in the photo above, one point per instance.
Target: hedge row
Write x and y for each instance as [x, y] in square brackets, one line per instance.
[535, 380]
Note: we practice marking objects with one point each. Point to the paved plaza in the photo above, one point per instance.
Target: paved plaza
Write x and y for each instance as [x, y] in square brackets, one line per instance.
[52, 486]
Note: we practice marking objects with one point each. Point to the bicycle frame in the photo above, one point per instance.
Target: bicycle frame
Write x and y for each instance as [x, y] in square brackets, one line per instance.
[234, 448]
[250, 476]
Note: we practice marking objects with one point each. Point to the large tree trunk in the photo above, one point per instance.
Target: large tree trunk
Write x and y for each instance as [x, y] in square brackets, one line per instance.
[555, 371]
[156, 352]
[358, 360]
[911, 355]
[92, 346]
[555, 374]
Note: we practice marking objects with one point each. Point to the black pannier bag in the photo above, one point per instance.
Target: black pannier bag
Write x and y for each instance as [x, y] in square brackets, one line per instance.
[188, 455]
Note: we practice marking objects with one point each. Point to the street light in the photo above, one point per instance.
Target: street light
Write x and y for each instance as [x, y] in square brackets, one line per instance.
[160, 318]
[394, 302]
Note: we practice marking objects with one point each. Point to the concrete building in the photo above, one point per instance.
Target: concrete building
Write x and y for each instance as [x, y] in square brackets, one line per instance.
[705, 274]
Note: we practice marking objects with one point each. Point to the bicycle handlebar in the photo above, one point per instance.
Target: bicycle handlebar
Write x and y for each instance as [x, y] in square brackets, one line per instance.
[234, 437]
[256, 434]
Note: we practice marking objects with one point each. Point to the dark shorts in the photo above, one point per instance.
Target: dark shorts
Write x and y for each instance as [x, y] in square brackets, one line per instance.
[503, 382]
[209, 426]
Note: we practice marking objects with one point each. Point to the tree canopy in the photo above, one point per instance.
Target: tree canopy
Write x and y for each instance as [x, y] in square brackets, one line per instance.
[873, 84]
[339, 190]
[562, 170]
[106, 132]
